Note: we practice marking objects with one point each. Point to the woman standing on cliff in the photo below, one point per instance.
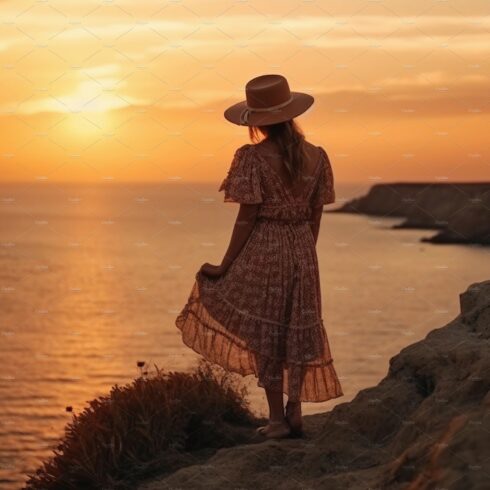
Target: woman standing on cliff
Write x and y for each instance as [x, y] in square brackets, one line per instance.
[259, 311]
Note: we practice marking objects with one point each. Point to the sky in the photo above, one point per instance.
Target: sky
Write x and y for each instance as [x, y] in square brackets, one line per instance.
[135, 91]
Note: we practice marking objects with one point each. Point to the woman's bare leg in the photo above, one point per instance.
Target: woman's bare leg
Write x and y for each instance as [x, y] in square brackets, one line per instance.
[276, 405]
[294, 412]
[293, 406]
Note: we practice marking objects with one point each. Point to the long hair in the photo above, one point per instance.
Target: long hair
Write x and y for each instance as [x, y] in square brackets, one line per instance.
[290, 139]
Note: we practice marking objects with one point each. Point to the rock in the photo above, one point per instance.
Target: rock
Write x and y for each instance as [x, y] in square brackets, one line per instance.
[460, 210]
[426, 425]
[471, 224]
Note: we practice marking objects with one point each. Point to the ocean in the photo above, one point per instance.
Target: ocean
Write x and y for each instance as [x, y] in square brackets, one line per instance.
[93, 276]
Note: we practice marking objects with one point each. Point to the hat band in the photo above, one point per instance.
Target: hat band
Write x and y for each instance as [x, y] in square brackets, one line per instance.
[245, 113]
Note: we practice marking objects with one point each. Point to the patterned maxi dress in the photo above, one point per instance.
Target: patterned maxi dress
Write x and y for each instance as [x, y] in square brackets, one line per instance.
[264, 315]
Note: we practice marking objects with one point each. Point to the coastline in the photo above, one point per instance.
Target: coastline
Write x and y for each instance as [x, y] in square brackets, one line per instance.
[459, 211]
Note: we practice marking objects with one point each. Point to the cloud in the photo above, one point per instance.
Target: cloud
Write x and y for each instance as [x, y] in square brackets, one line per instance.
[101, 36]
[324, 31]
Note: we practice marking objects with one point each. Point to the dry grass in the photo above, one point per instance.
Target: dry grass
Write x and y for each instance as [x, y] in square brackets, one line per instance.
[154, 425]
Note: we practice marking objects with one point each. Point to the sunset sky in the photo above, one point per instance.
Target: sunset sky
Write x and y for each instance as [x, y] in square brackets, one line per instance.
[135, 91]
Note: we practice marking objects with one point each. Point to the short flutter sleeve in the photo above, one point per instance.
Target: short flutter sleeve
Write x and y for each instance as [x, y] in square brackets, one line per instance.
[324, 192]
[242, 184]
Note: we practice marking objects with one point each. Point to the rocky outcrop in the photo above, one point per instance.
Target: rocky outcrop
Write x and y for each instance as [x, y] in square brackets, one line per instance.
[461, 211]
[426, 425]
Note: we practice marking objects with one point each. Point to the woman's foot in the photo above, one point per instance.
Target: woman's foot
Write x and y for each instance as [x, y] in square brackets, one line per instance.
[263, 429]
[266, 428]
[275, 429]
[294, 418]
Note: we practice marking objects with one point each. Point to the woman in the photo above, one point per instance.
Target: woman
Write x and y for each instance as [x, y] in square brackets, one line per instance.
[259, 311]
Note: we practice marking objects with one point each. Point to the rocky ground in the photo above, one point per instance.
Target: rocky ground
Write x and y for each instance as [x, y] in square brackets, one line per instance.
[426, 425]
[461, 211]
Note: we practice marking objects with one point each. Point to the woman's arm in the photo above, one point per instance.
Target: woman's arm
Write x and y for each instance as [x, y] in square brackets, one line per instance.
[244, 224]
[316, 217]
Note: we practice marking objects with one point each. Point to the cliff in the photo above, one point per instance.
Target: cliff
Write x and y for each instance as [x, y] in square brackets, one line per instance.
[426, 425]
[461, 211]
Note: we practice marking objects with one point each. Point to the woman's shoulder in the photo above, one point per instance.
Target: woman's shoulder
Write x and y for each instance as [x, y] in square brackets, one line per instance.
[262, 150]
[244, 147]
[318, 148]
[252, 153]
[242, 152]
[242, 183]
[323, 155]
[317, 154]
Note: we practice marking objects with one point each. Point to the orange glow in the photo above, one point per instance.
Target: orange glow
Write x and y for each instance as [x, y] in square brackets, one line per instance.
[133, 92]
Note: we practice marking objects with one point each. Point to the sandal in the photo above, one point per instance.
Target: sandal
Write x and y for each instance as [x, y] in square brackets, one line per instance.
[294, 420]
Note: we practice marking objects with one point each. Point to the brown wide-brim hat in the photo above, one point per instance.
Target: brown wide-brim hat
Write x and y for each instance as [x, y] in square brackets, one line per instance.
[268, 101]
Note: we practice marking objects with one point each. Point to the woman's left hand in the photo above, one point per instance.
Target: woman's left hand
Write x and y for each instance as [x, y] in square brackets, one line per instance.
[212, 270]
